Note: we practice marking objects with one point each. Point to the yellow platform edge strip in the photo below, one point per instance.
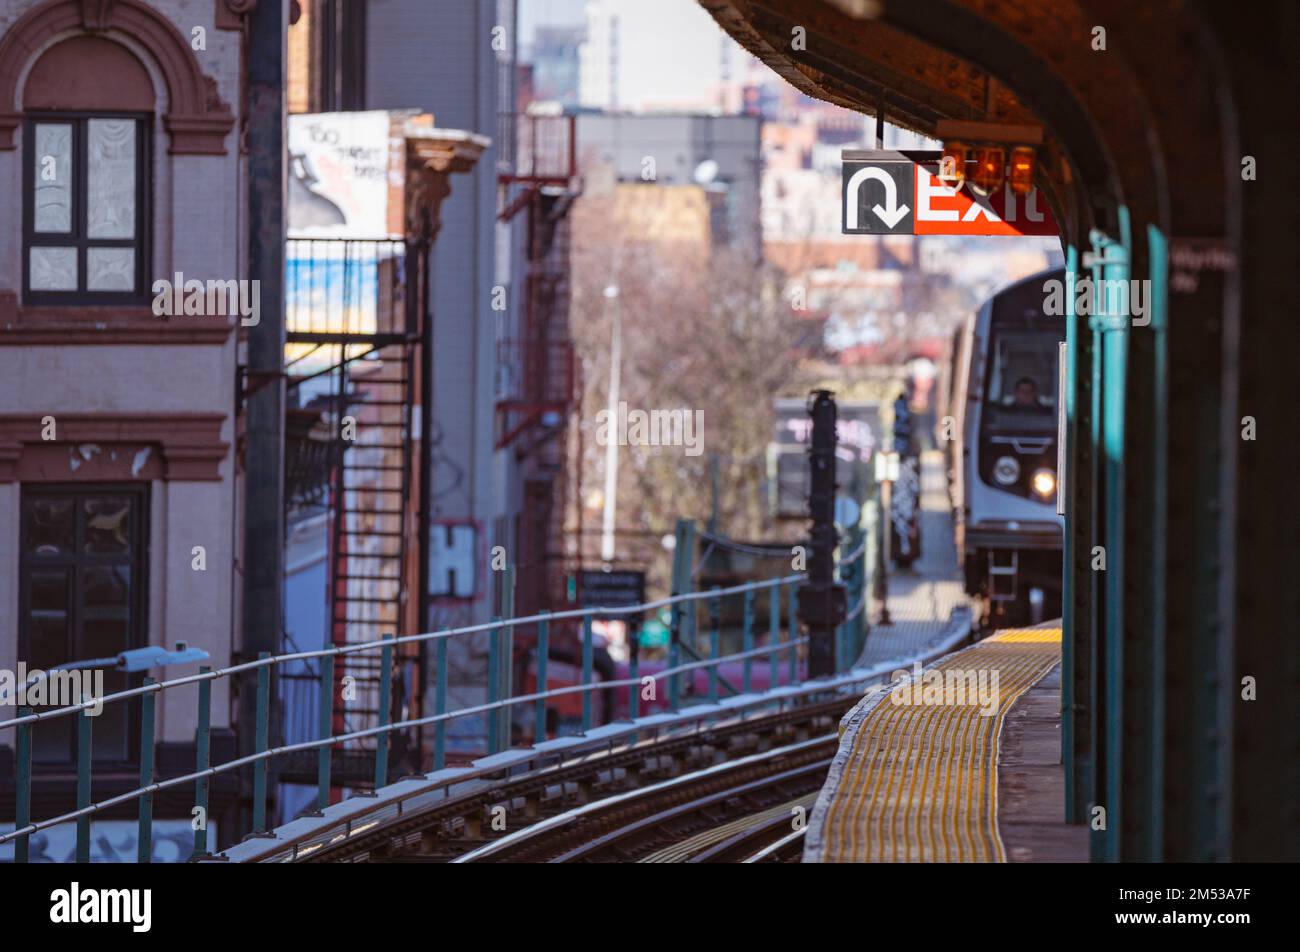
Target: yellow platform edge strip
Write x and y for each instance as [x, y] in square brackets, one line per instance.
[934, 743]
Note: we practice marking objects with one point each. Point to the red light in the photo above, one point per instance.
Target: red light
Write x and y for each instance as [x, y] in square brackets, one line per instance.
[1022, 169]
[952, 166]
[990, 167]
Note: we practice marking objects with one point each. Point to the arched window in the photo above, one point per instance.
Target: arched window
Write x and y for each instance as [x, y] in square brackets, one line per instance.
[87, 175]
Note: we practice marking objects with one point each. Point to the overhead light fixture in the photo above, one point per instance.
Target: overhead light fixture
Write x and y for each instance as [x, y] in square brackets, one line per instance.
[952, 165]
[990, 167]
[1021, 176]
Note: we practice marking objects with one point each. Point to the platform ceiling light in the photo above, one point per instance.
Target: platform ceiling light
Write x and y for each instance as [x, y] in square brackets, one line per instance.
[990, 167]
[1021, 176]
[952, 166]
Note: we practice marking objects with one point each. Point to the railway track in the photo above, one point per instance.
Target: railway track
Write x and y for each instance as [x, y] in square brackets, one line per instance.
[496, 809]
[723, 813]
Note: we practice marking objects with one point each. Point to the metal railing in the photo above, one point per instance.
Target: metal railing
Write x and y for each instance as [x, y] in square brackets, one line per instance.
[148, 693]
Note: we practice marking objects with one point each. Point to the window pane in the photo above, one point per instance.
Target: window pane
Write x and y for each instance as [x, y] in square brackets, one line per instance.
[107, 526]
[110, 187]
[48, 643]
[54, 269]
[49, 594]
[106, 586]
[49, 527]
[53, 178]
[110, 269]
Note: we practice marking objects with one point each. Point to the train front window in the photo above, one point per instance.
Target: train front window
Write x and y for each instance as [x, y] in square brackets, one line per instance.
[1020, 390]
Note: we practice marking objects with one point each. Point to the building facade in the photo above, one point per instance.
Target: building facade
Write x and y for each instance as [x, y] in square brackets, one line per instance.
[122, 248]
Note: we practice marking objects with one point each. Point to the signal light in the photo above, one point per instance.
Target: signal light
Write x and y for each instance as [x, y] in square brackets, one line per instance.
[990, 168]
[1021, 177]
[952, 166]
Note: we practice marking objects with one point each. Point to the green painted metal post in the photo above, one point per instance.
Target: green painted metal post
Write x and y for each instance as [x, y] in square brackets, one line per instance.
[385, 714]
[23, 803]
[84, 723]
[543, 650]
[440, 707]
[494, 662]
[203, 760]
[634, 692]
[747, 642]
[505, 636]
[715, 645]
[261, 742]
[324, 729]
[773, 633]
[144, 827]
[683, 613]
[586, 673]
[793, 653]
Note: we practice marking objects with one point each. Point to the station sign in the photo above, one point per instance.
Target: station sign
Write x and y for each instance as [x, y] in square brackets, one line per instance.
[617, 589]
[899, 193]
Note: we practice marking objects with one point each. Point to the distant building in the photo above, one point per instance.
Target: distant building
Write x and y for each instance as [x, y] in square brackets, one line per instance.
[554, 61]
[720, 154]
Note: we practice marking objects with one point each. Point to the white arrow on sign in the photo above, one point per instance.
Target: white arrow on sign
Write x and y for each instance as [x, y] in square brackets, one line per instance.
[891, 214]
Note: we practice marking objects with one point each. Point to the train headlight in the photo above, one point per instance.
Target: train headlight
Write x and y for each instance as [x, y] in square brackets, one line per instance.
[1006, 470]
[1043, 482]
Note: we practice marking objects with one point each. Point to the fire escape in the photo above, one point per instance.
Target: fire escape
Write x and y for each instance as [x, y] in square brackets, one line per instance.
[353, 331]
[536, 364]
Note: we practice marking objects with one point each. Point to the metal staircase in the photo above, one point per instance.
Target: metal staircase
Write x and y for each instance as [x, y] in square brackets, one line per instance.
[354, 316]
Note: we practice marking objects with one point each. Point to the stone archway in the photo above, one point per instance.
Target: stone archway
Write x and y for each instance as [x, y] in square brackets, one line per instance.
[196, 120]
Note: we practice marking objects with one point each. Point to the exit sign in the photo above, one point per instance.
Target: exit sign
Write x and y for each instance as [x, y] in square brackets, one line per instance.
[899, 193]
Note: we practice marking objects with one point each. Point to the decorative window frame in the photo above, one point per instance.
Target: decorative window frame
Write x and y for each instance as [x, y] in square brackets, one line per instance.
[197, 121]
[142, 243]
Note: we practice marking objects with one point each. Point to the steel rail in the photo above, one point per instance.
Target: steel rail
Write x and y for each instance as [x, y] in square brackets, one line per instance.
[650, 792]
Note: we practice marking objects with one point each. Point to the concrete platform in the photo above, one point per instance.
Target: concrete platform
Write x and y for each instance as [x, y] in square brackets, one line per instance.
[926, 599]
[959, 765]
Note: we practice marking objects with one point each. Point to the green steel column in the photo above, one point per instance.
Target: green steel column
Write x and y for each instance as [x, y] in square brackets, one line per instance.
[202, 760]
[1096, 599]
[1157, 514]
[1078, 577]
[84, 722]
[1110, 262]
[23, 787]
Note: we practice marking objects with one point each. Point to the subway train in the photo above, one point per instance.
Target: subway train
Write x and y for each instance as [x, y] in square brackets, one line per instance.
[1000, 437]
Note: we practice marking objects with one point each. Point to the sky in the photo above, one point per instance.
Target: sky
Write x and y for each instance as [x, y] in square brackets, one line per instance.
[670, 50]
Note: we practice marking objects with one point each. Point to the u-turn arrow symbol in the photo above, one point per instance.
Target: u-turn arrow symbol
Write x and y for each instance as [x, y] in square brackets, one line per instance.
[891, 214]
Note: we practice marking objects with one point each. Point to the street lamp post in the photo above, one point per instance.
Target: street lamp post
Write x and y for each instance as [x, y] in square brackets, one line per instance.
[612, 433]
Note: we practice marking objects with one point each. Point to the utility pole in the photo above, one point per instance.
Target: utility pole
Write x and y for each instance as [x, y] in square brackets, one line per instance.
[263, 556]
[612, 431]
[822, 605]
